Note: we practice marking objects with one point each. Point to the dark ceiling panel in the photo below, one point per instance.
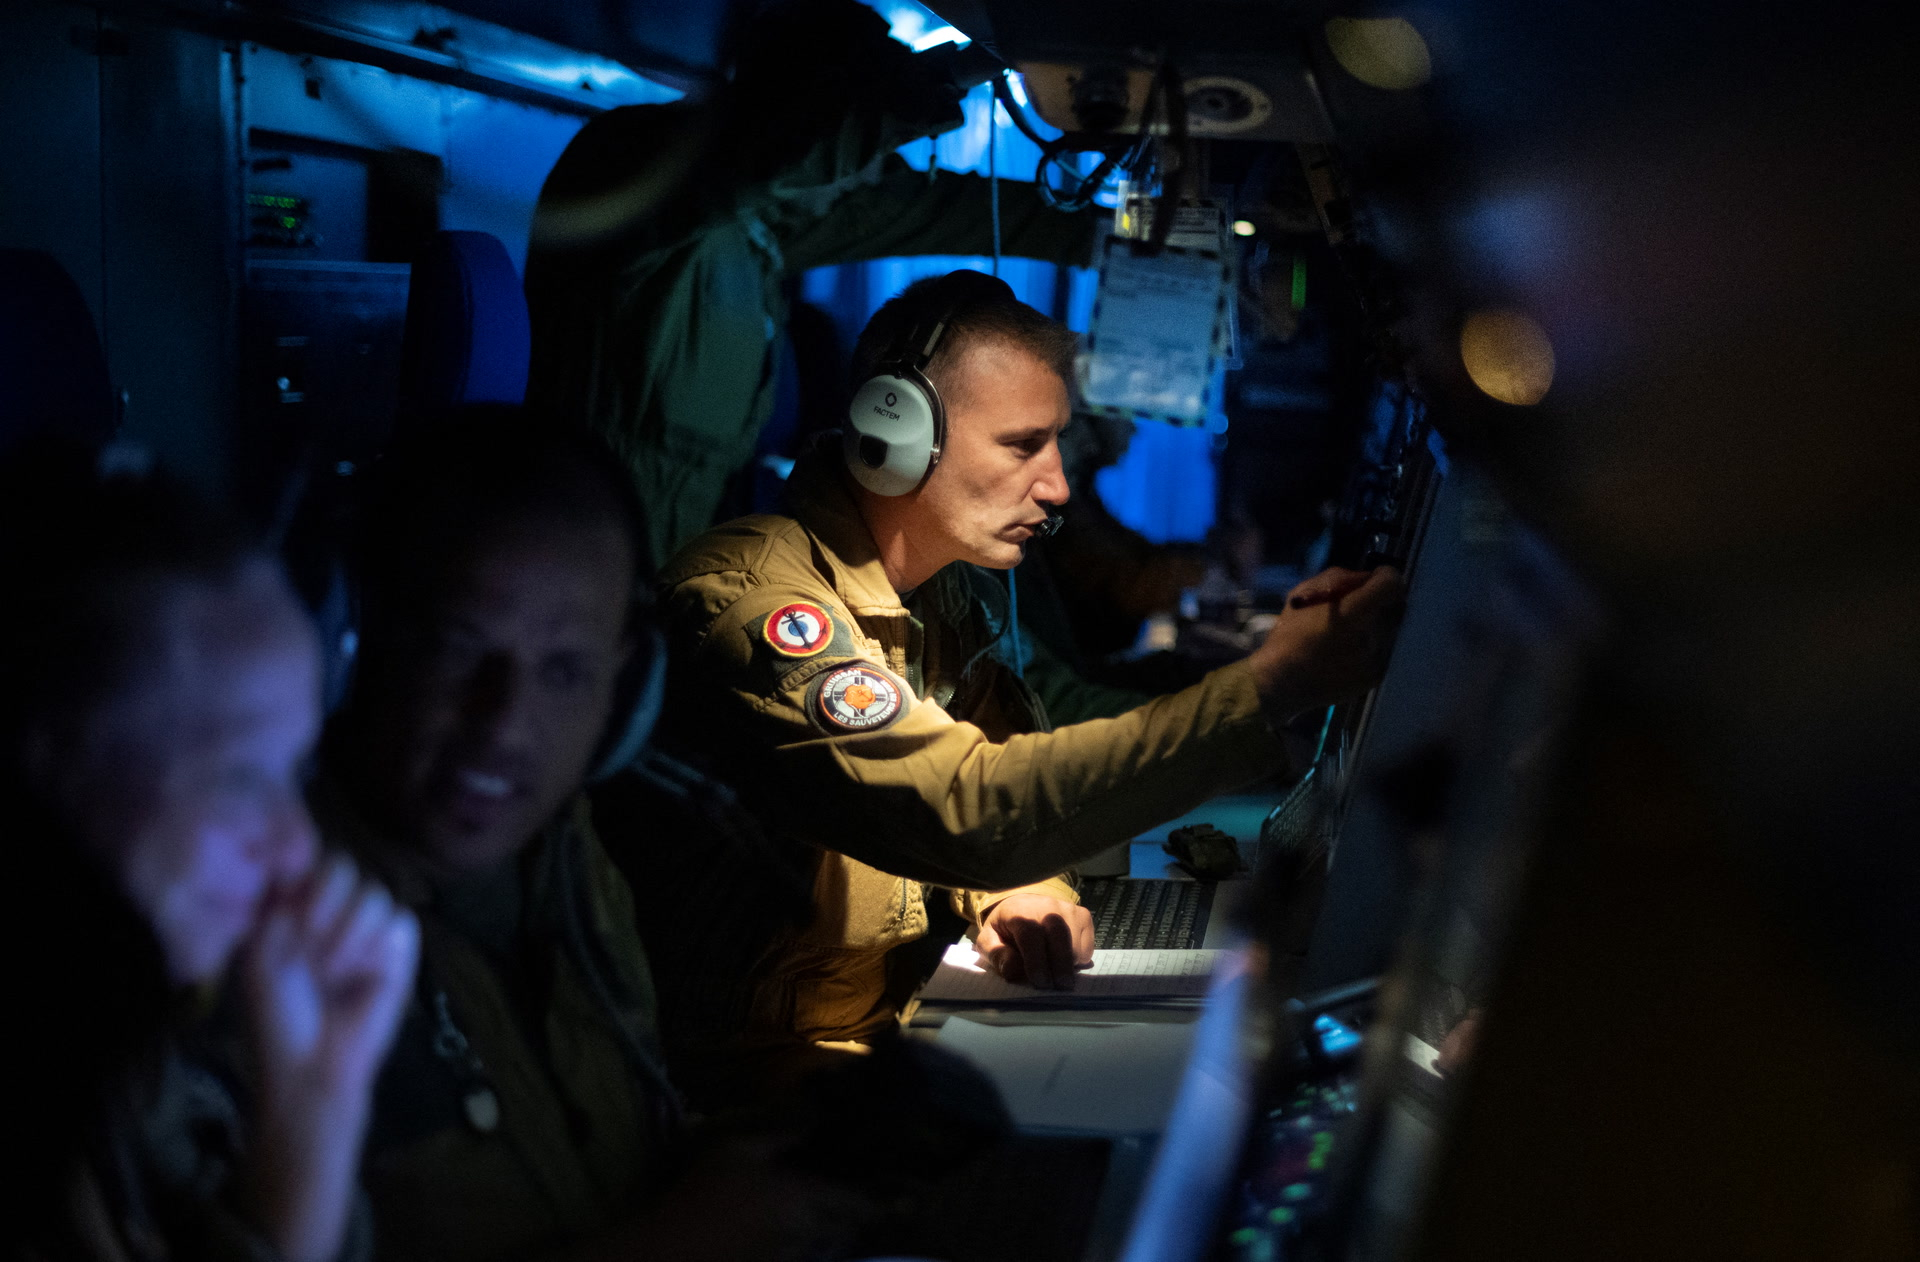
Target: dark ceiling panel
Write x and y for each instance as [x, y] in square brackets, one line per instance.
[680, 43]
[682, 38]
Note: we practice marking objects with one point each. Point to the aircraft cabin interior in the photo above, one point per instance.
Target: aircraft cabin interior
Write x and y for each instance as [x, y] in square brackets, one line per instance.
[1434, 687]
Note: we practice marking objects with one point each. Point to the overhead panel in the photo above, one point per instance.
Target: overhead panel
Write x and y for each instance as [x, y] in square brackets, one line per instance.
[1090, 65]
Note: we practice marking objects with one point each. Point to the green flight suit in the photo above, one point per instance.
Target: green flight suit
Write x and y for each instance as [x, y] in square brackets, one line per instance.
[523, 1107]
[667, 342]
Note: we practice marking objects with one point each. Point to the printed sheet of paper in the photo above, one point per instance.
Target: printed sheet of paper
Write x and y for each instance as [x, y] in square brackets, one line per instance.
[1153, 345]
[963, 977]
[1117, 1079]
[1423, 1054]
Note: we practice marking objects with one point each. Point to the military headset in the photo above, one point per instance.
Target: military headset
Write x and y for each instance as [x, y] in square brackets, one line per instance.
[897, 422]
[639, 693]
[337, 602]
[638, 696]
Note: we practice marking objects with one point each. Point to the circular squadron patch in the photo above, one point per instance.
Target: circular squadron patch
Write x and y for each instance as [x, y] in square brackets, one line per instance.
[799, 630]
[857, 699]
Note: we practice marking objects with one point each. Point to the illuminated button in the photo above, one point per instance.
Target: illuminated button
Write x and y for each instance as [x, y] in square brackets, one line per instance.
[1281, 1215]
[1296, 1191]
[1243, 228]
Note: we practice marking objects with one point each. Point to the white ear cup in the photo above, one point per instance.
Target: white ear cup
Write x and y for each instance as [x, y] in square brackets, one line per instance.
[893, 434]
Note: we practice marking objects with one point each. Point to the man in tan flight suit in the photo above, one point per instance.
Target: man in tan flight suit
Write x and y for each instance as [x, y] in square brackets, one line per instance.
[843, 666]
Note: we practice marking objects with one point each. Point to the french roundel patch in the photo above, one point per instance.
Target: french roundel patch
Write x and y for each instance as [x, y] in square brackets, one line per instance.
[856, 699]
[799, 630]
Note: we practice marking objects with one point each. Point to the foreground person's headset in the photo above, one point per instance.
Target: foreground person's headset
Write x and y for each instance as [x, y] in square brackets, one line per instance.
[639, 694]
[638, 697]
[897, 423]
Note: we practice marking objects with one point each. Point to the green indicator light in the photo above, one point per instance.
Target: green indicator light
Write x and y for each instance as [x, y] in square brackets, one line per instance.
[1246, 1235]
[1299, 282]
[1317, 1162]
[1297, 1191]
[1281, 1215]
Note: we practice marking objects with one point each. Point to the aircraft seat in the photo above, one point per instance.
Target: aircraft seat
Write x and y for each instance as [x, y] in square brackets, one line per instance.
[53, 373]
[468, 339]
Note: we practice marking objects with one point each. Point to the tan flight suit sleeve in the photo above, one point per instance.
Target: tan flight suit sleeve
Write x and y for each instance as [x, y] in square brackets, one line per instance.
[931, 798]
[974, 906]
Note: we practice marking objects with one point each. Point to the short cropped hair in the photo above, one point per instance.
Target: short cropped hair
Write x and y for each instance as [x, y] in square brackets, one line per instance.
[86, 560]
[988, 313]
[440, 486]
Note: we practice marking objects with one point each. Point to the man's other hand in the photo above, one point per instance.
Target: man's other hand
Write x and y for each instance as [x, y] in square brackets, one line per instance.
[328, 976]
[1331, 642]
[1037, 940]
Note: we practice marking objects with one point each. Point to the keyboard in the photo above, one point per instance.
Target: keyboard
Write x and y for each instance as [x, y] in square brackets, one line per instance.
[1146, 915]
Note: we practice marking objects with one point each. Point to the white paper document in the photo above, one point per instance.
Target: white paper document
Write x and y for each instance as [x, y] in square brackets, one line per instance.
[1423, 1054]
[1087, 1079]
[1155, 333]
[963, 977]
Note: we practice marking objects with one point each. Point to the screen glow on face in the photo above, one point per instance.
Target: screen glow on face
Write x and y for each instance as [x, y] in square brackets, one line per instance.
[200, 804]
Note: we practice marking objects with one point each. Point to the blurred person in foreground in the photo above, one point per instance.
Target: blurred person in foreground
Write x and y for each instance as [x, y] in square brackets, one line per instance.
[161, 696]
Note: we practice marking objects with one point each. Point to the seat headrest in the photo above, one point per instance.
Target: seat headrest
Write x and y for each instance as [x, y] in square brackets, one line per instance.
[468, 339]
[53, 375]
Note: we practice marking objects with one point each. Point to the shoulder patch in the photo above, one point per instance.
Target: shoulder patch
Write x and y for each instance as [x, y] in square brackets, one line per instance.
[800, 629]
[856, 698]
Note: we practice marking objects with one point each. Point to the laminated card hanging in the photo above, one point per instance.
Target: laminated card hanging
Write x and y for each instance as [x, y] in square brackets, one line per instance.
[1156, 332]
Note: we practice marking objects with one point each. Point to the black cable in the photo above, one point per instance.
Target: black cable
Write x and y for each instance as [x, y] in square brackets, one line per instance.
[1135, 160]
[1175, 100]
[1080, 191]
[1083, 188]
[1003, 94]
[993, 174]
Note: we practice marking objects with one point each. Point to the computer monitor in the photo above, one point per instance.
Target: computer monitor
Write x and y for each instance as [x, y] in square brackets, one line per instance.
[1410, 720]
[1430, 799]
